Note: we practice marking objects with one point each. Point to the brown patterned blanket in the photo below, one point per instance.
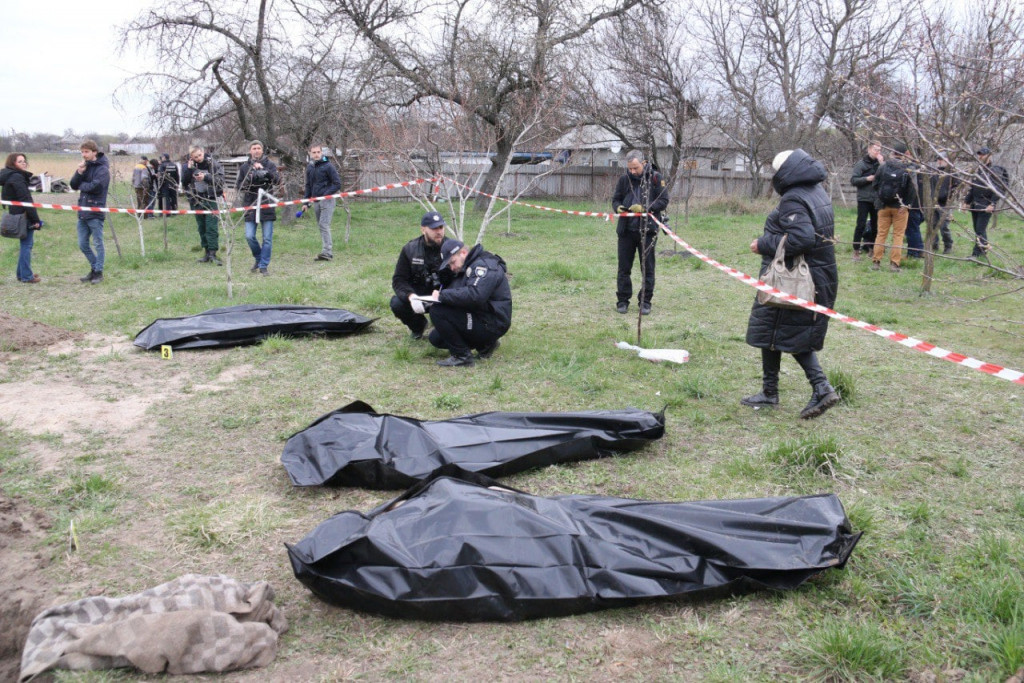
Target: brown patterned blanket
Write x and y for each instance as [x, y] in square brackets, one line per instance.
[189, 625]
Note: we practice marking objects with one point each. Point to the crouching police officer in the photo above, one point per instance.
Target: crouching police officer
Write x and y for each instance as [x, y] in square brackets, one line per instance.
[476, 309]
[416, 274]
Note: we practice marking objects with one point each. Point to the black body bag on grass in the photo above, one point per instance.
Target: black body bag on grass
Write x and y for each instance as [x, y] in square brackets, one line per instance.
[356, 446]
[465, 549]
[247, 324]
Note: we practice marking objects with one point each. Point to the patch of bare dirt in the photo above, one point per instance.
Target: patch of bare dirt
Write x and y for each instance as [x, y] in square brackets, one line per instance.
[26, 591]
[17, 334]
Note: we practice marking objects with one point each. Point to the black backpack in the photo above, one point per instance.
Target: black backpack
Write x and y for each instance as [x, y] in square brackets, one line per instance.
[892, 178]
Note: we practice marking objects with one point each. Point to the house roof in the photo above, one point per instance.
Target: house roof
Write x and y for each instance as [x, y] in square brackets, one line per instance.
[697, 134]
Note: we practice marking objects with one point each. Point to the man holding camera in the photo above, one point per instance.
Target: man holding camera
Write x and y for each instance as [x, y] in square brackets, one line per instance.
[203, 180]
[258, 173]
[416, 274]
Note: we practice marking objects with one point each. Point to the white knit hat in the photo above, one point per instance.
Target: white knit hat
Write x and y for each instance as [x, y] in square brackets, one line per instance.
[780, 159]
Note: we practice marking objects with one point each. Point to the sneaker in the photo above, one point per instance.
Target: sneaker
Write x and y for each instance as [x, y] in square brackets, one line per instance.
[489, 350]
[255, 266]
[263, 272]
[622, 308]
[875, 265]
[33, 280]
[97, 277]
[761, 400]
[87, 277]
[894, 268]
[323, 257]
[645, 309]
[823, 398]
[457, 361]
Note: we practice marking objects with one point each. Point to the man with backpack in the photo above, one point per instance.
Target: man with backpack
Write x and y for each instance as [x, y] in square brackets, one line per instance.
[987, 188]
[895, 186]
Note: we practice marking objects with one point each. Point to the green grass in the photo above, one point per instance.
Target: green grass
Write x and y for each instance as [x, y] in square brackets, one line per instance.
[924, 454]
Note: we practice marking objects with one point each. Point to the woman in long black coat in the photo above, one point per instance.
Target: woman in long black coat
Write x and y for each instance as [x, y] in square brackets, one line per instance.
[804, 214]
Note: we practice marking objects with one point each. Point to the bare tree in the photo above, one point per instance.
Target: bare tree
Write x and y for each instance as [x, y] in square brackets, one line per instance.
[497, 60]
[959, 88]
[235, 64]
[783, 65]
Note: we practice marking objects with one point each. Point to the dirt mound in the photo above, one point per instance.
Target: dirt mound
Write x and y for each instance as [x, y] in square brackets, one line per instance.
[17, 334]
[25, 591]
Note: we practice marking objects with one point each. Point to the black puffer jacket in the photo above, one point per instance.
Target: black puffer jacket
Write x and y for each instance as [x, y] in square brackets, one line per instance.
[804, 214]
[867, 166]
[482, 287]
[416, 271]
[15, 189]
[981, 195]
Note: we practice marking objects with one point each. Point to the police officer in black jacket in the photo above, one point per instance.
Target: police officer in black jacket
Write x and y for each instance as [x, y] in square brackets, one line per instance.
[475, 310]
[416, 273]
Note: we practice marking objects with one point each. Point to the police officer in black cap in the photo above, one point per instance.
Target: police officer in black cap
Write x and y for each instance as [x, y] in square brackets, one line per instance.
[416, 273]
[475, 310]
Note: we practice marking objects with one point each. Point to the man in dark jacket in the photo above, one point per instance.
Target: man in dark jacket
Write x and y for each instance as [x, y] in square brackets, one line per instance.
[322, 179]
[92, 179]
[255, 174]
[475, 311]
[167, 187]
[864, 180]
[416, 274]
[640, 190]
[942, 183]
[804, 216]
[203, 182]
[988, 186]
[896, 190]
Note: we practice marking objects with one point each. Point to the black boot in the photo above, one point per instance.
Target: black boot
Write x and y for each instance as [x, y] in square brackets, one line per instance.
[88, 277]
[212, 256]
[205, 259]
[454, 361]
[761, 400]
[769, 396]
[823, 398]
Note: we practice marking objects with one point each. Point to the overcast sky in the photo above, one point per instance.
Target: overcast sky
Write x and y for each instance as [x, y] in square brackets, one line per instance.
[61, 67]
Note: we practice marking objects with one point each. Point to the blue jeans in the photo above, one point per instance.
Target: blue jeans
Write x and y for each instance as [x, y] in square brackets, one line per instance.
[261, 254]
[25, 257]
[915, 242]
[91, 227]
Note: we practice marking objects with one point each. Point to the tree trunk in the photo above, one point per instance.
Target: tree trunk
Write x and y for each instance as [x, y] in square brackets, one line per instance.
[503, 150]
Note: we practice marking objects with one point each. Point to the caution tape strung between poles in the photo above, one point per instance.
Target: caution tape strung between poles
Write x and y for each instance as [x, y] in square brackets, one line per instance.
[593, 214]
[215, 212]
[909, 342]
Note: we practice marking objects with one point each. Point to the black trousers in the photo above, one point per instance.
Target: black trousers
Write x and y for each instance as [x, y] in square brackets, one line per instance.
[461, 331]
[416, 322]
[943, 223]
[980, 218]
[863, 232]
[168, 199]
[630, 245]
[771, 361]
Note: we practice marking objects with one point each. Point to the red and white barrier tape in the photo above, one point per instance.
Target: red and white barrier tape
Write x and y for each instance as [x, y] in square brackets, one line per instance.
[909, 342]
[237, 209]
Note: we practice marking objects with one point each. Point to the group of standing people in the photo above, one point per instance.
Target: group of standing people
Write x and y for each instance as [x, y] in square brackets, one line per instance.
[156, 184]
[890, 199]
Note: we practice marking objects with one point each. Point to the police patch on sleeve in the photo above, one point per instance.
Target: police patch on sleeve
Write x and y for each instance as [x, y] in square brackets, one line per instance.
[480, 271]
